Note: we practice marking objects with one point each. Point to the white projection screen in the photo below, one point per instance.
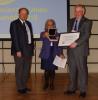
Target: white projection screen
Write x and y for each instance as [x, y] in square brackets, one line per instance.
[40, 11]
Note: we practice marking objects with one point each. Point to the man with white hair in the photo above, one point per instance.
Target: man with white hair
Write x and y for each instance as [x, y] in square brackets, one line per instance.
[78, 52]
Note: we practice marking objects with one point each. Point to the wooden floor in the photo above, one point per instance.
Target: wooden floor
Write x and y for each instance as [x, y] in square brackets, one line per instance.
[8, 88]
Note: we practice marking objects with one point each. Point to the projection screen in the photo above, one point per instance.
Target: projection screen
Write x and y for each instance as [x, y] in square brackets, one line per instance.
[40, 11]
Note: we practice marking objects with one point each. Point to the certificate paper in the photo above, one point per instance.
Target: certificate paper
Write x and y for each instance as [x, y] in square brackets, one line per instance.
[68, 38]
[60, 62]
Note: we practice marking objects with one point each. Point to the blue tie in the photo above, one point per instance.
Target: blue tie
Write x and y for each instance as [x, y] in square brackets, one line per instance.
[75, 26]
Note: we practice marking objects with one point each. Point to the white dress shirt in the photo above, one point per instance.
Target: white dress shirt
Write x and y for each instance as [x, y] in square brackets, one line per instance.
[28, 31]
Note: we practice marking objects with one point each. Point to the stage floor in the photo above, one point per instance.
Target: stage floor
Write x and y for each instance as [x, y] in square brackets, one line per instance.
[8, 88]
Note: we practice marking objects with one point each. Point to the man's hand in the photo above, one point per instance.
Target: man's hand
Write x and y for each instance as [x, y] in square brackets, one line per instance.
[18, 54]
[73, 45]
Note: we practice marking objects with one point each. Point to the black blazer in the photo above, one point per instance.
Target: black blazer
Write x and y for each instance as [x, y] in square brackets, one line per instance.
[20, 40]
[84, 28]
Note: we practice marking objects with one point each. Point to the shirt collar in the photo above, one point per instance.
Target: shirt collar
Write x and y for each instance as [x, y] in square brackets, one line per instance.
[21, 21]
[78, 20]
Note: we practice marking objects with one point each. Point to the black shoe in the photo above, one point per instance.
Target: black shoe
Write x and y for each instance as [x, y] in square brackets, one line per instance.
[69, 92]
[45, 86]
[82, 94]
[22, 91]
[28, 90]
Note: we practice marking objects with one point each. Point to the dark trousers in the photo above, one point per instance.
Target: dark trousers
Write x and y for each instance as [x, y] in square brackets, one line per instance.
[22, 71]
[78, 71]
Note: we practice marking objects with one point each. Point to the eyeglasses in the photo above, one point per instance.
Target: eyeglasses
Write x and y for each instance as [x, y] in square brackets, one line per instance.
[50, 25]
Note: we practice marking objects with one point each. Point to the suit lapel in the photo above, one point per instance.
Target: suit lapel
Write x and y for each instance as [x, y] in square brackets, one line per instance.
[20, 24]
[70, 24]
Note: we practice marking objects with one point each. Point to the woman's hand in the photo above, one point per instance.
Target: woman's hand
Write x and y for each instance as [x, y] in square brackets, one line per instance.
[46, 34]
[62, 56]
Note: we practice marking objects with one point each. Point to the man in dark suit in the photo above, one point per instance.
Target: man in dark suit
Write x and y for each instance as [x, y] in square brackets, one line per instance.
[22, 48]
[78, 52]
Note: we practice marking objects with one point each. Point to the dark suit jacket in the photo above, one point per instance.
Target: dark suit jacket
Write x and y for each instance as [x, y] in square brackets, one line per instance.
[85, 26]
[45, 50]
[20, 40]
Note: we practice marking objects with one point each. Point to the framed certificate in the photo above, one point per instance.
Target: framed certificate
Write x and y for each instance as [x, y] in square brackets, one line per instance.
[67, 39]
